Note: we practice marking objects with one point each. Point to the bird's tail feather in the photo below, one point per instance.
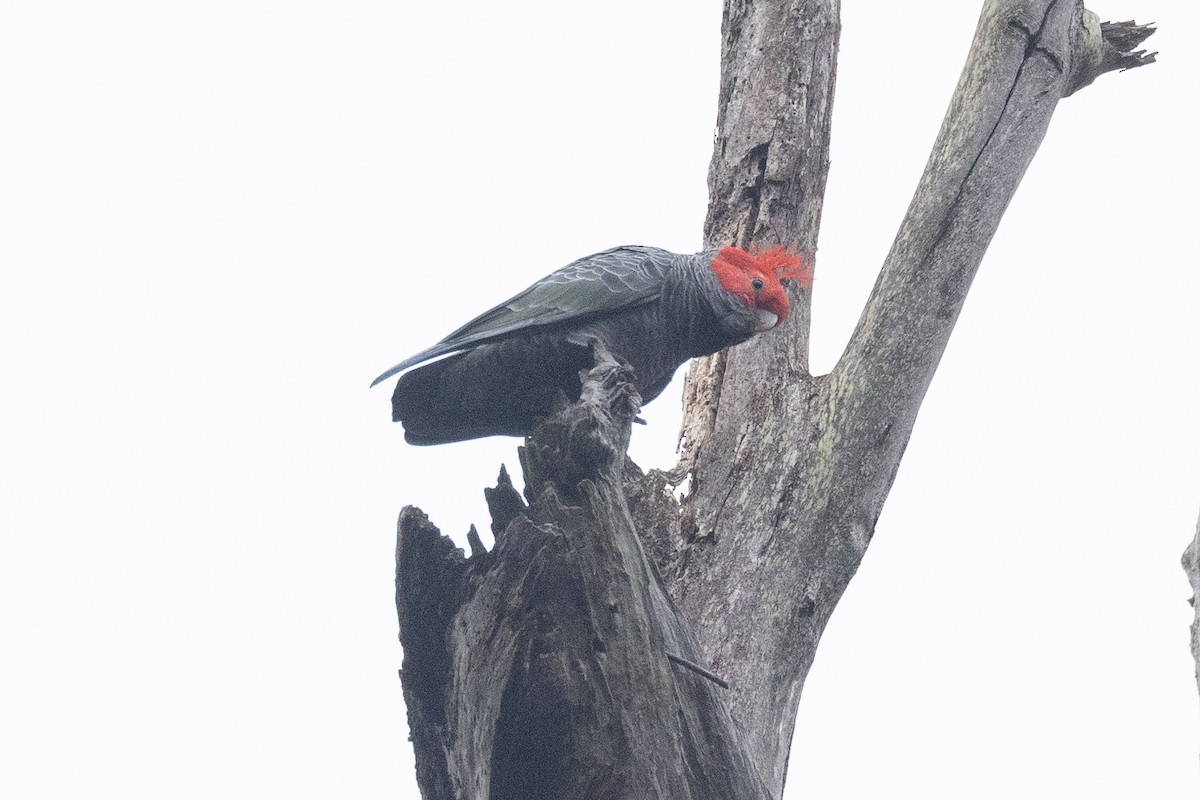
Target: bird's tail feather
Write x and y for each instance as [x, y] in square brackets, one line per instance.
[493, 390]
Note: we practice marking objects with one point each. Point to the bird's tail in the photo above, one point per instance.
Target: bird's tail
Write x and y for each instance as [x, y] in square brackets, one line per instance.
[488, 391]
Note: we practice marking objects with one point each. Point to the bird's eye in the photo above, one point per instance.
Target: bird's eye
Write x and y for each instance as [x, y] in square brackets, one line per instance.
[757, 284]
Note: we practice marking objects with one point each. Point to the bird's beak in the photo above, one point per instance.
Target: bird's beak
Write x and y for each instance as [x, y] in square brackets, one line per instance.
[764, 320]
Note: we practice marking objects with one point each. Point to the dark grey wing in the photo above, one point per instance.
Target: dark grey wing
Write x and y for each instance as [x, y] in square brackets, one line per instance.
[597, 284]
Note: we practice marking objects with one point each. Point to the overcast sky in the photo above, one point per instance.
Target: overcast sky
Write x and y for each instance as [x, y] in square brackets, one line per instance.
[220, 220]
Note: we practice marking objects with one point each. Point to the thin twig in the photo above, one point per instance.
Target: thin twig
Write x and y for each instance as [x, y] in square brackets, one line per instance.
[699, 670]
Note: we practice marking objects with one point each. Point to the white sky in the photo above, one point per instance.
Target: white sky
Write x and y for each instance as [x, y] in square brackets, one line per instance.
[220, 220]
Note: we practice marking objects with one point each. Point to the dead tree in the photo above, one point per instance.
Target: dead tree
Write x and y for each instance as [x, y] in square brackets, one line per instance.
[576, 659]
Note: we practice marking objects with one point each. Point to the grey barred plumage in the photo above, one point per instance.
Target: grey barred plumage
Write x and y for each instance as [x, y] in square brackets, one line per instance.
[652, 308]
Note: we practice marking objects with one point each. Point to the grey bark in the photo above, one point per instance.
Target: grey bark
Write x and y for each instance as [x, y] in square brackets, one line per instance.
[1191, 565]
[790, 471]
[556, 665]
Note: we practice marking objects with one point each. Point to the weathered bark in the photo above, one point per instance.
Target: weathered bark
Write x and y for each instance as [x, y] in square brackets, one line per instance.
[1191, 565]
[790, 471]
[555, 665]
[766, 181]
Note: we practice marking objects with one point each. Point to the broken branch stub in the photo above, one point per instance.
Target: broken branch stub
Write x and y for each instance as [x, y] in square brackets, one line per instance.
[555, 666]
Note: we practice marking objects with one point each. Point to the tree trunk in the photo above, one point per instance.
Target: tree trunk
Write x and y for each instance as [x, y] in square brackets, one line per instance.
[556, 665]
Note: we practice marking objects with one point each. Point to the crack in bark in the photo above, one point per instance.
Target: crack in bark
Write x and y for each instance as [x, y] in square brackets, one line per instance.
[754, 192]
[1032, 47]
[1035, 38]
[730, 479]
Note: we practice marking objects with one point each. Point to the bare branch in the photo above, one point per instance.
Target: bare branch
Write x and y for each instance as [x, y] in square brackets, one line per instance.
[1025, 58]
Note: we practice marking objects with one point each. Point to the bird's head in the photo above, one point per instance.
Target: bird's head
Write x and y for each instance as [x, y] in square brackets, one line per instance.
[756, 280]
